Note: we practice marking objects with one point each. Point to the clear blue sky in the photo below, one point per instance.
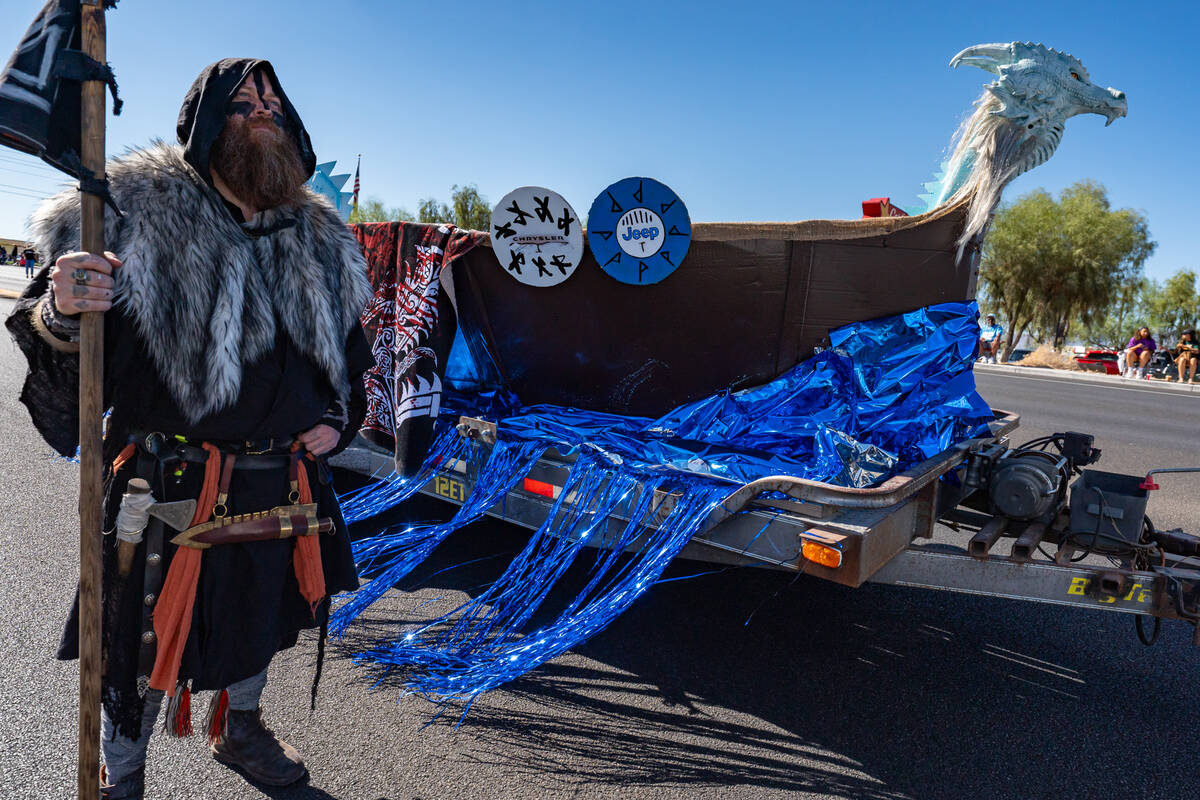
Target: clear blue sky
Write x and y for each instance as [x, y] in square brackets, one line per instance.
[750, 110]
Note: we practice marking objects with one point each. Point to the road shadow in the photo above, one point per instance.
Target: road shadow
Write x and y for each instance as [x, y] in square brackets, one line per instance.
[297, 791]
[744, 677]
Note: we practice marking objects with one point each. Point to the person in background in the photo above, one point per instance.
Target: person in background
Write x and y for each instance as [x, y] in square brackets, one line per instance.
[1187, 354]
[989, 340]
[30, 262]
[1137, 354]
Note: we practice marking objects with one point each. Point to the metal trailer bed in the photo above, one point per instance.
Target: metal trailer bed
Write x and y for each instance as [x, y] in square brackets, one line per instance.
[878, 532]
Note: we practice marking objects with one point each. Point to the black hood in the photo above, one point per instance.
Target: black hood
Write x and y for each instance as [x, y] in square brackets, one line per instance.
[203, 114]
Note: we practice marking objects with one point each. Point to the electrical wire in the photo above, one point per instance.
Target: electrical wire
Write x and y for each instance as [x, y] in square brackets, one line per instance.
[1145, 639]
[1057, 439]
[9, 157]
[4, 168]
[1142, 561]
[18, 191]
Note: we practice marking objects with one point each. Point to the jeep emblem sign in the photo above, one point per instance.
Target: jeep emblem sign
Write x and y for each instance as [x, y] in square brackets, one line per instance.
[639, 231]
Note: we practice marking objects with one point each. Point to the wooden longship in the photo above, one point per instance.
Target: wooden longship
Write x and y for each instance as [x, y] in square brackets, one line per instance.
[748, 302]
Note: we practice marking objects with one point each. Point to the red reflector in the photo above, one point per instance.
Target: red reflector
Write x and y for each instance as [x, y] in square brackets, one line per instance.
[539, 487]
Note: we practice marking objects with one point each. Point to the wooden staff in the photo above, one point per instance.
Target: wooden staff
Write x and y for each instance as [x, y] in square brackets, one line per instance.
[91, 379]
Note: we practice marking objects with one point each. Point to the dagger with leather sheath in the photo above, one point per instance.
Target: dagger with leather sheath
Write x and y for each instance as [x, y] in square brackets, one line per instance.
[280, 522]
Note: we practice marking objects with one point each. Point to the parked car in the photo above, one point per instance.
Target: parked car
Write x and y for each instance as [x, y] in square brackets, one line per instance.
[1099, 360]
[1017, 355]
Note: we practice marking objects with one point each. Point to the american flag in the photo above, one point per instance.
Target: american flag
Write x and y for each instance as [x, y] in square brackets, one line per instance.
[354, 200]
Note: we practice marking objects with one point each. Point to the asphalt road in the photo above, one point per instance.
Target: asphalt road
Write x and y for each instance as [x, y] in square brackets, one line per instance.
[1138, 425]
[12, 279]
[735, 684]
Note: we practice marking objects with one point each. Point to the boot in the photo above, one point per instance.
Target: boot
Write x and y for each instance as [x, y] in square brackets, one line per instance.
[249, 744]
[131, 787]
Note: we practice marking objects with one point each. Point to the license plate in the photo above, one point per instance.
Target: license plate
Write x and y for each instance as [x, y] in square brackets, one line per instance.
[450, 488]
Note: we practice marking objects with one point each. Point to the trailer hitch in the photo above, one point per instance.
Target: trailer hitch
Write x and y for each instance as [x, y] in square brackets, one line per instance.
[1176, 542]
[1176, 592]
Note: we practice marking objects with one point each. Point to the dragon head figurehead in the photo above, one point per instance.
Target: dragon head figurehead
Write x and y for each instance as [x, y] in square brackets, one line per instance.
[1039, 87]
[1018, 121]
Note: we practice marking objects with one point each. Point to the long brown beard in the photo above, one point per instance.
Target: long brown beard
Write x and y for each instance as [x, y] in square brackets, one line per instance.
[262, 171]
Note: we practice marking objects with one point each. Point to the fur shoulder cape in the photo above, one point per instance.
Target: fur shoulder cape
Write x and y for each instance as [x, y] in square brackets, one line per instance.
[205, 294]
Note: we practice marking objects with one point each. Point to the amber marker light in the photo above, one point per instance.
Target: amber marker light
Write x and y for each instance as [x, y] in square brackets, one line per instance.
[822, 554]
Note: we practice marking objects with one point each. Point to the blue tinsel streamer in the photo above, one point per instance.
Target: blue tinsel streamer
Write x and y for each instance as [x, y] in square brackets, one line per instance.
[476, 647]
[374, 498]
[394, 553]
[589, 496]
[888, 394]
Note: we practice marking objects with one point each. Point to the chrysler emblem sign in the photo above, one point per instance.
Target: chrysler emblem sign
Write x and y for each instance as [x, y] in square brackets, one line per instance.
[537, 236]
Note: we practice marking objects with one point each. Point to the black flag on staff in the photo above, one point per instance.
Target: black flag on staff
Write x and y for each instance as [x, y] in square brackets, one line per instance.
[40, 88]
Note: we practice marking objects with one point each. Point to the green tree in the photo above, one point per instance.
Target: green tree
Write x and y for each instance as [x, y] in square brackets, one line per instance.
[1022, 239]
[373, 210]
[433, 211]
[1172, 306]
[467, 209]
[1113, 329]
[471, 209]
[1050, 263]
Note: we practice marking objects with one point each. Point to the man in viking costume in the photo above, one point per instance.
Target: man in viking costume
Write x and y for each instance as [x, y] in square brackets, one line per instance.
[233, 363]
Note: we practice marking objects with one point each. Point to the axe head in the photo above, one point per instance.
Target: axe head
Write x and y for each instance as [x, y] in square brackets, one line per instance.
[177, 515]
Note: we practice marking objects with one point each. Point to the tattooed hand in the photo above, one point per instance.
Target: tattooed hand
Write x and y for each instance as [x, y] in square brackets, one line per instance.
[83, 282]
[319, 440]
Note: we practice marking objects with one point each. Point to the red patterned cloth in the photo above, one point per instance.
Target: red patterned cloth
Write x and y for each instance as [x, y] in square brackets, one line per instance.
[412, 324]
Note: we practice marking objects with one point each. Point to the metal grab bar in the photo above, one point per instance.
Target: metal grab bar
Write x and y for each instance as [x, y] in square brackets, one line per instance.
[889, 493]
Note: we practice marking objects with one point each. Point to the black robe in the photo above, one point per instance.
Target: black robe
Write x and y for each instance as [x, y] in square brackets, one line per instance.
[248, 604]
[298, 263]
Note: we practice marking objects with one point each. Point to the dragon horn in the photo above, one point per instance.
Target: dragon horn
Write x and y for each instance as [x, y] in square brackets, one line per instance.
[985, 56]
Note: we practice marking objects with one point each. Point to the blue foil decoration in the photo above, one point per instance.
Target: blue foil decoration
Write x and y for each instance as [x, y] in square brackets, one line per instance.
[394, 553]
[476, 647]
[886, 395]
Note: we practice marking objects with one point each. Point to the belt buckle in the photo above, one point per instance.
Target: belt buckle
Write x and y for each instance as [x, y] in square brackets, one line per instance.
[249, 444]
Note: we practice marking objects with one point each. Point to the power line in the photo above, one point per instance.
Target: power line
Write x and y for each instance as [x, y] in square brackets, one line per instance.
[23, 156]
[27, 162]
[20, 191]
[4, 169]
[14, 186]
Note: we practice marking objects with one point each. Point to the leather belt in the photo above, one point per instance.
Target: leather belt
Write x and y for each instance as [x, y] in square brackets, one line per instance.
[167, 449]
[150, 588]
